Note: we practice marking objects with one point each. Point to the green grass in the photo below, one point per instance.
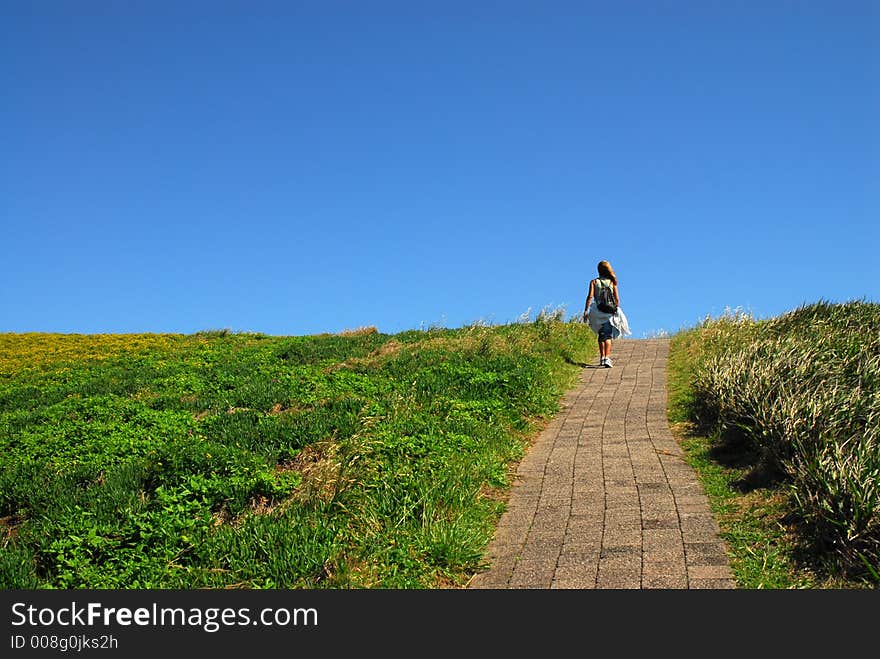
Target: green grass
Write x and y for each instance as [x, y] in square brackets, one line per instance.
[778, 418]
[224, 460]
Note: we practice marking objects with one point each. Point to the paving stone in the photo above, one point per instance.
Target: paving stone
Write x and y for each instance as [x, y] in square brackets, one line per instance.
[709, 571]
[661, 523]
[706, 553]
[712, 584]
[580, 556]
[668, 581]
[618, 578]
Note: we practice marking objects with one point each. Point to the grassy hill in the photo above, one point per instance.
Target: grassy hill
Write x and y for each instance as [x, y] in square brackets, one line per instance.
[236, 460]
[223, 460]
[782, 418]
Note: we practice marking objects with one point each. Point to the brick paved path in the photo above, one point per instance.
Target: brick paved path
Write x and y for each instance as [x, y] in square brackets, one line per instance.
[603, 499]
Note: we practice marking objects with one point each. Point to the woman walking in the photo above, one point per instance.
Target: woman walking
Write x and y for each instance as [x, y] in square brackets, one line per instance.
[602, 310]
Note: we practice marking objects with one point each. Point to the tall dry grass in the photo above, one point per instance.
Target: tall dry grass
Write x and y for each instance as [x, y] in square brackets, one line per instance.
[802, 391]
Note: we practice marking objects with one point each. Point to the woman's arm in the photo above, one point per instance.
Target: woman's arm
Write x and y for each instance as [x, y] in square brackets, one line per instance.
[617, 295]
[589, 299]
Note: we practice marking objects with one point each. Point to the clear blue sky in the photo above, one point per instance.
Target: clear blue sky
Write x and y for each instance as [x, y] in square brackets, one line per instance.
[302, 167]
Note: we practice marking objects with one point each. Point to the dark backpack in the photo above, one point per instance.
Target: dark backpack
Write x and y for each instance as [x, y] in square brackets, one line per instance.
[605, 297]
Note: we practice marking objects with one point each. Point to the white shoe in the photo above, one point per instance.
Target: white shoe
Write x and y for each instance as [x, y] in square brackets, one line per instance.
[608, 363]
[601, 361]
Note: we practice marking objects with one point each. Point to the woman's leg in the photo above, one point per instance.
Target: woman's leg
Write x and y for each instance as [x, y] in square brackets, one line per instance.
[606, 356]
[605, 343]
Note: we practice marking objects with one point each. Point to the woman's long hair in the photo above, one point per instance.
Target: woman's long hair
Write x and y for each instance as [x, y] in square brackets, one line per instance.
[606, 272]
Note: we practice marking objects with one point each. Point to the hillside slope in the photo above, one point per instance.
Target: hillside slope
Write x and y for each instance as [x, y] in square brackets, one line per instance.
[236, 460]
